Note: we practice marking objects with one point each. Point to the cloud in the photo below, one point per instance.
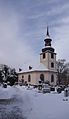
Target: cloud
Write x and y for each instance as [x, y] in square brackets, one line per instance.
[14, 49]
[23, 29]
[62, 39]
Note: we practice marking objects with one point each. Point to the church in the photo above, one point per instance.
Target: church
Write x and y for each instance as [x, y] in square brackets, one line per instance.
[46, 71]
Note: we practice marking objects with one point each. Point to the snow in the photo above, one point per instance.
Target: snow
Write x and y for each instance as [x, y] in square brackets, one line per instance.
[50, 106]
[36, 105]
[6, 93]
[40, 67]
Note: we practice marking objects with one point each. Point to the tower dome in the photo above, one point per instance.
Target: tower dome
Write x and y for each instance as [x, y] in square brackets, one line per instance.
[47, 41]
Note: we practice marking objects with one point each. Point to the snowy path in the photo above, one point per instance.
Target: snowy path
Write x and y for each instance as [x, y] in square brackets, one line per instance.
[20, 103]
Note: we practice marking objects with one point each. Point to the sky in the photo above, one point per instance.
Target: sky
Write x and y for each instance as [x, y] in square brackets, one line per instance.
[23, 26]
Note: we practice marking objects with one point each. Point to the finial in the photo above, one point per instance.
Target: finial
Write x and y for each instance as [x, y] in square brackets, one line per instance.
[47, 32]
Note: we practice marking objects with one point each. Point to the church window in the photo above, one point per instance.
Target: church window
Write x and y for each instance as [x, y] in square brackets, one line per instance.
[52, 55]
[43, 55]
[52, 78]
[29, 78]
[42, 77]
[52, 65]
[22, 76]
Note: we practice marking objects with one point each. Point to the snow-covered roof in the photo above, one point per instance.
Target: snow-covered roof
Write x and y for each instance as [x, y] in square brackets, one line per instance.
[40, 67]
[47, 37]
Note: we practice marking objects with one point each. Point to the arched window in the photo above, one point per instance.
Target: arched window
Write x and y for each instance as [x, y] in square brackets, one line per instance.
[42, 77]
[44, 55]
[29, 78]
[22, 76]
[52, 55]
[52, 78]
[52, 65]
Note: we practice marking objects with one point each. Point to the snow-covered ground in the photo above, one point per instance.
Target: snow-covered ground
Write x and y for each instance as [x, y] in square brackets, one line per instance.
[34, 105]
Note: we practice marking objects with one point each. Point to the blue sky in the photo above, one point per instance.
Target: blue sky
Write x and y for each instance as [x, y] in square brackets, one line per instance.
[23, 26]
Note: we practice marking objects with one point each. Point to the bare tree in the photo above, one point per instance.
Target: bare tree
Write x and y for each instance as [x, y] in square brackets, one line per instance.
[63, 72]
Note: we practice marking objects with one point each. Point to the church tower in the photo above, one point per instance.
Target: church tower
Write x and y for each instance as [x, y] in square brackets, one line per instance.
[48, 55]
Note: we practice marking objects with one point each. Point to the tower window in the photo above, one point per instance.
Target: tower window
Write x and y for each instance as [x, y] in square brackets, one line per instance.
[52, 55]
[52, 78]
[29, 78]
[43, 55]
[52, 65]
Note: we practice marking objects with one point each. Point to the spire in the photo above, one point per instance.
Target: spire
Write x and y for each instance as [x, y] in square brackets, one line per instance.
[47, 39]
[47, 32]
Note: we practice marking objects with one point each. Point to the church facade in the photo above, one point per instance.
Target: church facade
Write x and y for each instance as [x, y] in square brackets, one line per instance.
[46, 71]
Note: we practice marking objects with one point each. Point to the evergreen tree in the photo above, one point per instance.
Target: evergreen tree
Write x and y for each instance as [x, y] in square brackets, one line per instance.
[1, 77]
[8, 74]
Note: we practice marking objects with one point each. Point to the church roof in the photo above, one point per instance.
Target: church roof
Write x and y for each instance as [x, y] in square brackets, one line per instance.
[39, 68]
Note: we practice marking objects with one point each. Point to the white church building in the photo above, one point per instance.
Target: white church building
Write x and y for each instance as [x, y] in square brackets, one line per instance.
[46, 71]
